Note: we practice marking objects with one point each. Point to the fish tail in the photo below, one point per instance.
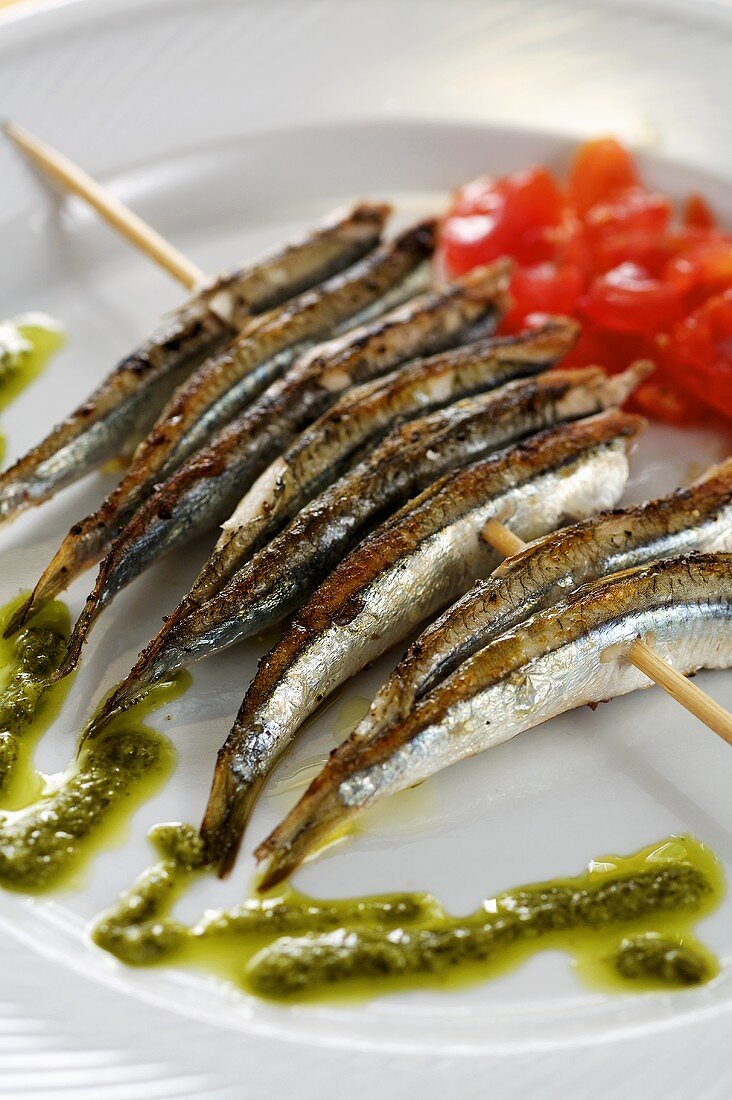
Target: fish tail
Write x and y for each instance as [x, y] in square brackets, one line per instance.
[79, 634]
[21, 615]
[229, 808]
[308, 824]
[77, 553]
[620, 386]
[54, 579]
[157, 660]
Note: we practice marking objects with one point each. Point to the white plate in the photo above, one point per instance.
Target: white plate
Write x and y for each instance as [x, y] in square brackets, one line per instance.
[230, 126]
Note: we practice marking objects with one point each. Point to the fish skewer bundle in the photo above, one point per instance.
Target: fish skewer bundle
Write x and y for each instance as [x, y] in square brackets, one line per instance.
[413, 565]
[529, 674]
[229, 381]
[286, 570]
[207, 486]
[124, 406]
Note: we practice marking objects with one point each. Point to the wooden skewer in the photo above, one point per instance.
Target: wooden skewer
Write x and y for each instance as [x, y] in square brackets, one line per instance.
[63, 171]
[640, 654]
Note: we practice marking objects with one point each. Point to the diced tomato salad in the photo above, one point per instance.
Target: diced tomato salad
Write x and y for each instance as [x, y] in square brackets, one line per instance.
[643, 280]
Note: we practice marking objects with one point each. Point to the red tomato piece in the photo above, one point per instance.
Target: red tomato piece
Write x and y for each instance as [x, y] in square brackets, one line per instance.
[612, 350]
[599, 170]
[699, 357]
[646, 249]
[662, 401]
[701, 270]
[698, 213]
[631, 209]
[571, 242]
[628, 299]
[507, 216]
[542, 289]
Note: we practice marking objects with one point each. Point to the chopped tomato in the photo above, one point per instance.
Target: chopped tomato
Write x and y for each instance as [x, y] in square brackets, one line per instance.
[631, 209]
[608, 251]
[701, 270]
[494, 217]
[543, 288]
[699, 358]
[628, 299]
[698, 213]
[662, 401]
[599, 170]
[571, 242]
[612, 350]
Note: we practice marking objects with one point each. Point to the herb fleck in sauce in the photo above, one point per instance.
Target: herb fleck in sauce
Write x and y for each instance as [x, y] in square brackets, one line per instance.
[624, 921]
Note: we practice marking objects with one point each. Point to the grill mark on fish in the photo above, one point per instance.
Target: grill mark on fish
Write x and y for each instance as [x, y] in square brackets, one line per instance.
[695, 518]
[285, 572]
[124, 406]
[571, 654]
[227, 382]
[204, 491]
[413, 565]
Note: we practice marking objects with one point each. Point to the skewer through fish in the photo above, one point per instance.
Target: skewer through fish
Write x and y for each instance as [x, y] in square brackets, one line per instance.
[231, 380]
[207, 487]
[561, 658]
[287, 570]
[124, 406]
[412, 566]
[546, 571]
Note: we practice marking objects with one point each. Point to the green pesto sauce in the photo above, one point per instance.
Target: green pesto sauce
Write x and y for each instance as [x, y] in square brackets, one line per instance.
[53, 824]
[28, 702]
[625, 922]
[25, 348]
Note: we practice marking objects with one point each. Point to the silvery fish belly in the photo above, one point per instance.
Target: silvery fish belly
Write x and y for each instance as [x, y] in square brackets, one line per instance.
[695, 518]
[124, 406]
[410, 567]
[566, 656]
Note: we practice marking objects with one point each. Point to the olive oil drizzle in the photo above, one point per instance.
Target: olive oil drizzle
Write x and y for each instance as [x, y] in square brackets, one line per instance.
[625, 922]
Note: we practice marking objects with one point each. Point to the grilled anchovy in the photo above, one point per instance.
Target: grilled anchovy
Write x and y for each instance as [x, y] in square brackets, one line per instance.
[413, 565]
[123, 408]
[361, 417]
[284, 573]
[206, 489]
[697, 518]
[229, 381]
[568, 655]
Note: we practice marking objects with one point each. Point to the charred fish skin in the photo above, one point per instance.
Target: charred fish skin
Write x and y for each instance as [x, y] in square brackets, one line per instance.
[287, 570]
[203, 492]
[564, 657]
[342, 238]
[413, 565]
[698, 518]
[125, 405]
[362, 417]
[229, 380]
